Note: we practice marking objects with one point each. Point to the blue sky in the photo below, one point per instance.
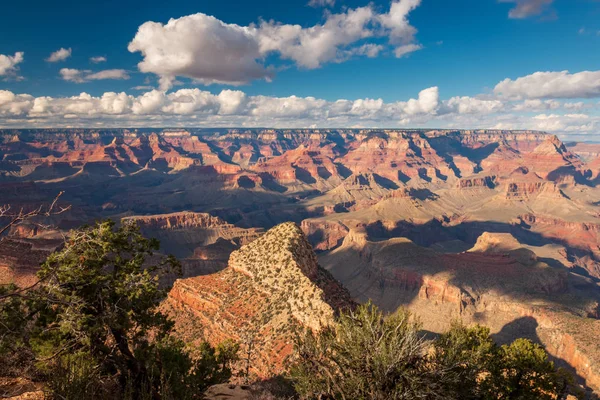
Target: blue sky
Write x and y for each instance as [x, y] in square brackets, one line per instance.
[463, 48]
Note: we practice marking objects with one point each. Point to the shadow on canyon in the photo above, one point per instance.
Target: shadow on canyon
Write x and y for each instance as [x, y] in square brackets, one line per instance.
[436, 231]
[392, 273]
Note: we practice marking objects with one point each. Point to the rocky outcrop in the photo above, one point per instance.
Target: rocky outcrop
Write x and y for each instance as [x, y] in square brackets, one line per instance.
[324, 235]
[523, 190]
[549, 221]
[271, 286]
[179, 220]
[479, 181]
[185, 234]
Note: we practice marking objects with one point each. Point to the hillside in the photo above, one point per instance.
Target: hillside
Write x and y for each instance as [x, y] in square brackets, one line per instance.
[498, 283]
[272, 288]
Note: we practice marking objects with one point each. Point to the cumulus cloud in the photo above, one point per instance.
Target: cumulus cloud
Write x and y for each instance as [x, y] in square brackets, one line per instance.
[8, 64]
[59, 55]
[528, 8]
[193, 106]
[71, 75]
[473, 105]
[98, 59]
[199, 46]
[427, 102]
[562, 84]
[6, 97]
[557, 122]
[149, 102]
[537, 105]
[81, 76]
[233, 104]
[401, 32]
[314, 46]
[209, 50]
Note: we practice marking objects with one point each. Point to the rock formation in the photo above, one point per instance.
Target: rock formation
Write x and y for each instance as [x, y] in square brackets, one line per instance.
[271, 288]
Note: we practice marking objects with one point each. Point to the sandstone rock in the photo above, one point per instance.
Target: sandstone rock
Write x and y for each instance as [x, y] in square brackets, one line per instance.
[272, 287]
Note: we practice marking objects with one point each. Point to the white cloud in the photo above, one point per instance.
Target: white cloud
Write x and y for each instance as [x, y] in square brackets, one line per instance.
[6, 97]
[537, 105]
[565, 122]
[115, 103]
[108, 74]
[370, 50]
[149, 102]
[8, 64]
[562, 84]
[580, 105]
[191, 101]
[427, 102]
[232, 102]
[14, 104]
[208, 50]
[59, 55]
[406, 49]
[98, 59]
[196, 107]
[71, 75]
[321, 3]
[528, 8]
[199, 46]
[80, 76]
[314, 46]
[472, 105]
[401, 32]
[143, 87]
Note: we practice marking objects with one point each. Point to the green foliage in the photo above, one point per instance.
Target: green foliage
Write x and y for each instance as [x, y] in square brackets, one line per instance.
[369, 356]
[523, 372]
[13, 325]
[365, 356]
[479, 369]
[94, 322]
[464, 353]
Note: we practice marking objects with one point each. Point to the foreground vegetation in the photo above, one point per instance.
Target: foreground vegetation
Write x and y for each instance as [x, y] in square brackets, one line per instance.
[367, 355]
[91, 328]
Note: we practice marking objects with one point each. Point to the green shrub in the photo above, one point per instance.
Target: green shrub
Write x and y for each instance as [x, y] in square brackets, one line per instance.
[366, 355]
[93, 322]
[479, 369]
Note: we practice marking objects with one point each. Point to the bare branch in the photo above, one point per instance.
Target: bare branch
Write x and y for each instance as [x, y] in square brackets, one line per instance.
[22, 216]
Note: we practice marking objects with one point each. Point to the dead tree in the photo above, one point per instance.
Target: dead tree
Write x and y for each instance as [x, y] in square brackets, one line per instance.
[22, 216]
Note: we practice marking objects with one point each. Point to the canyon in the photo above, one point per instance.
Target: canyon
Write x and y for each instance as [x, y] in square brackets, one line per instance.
[494, 227]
